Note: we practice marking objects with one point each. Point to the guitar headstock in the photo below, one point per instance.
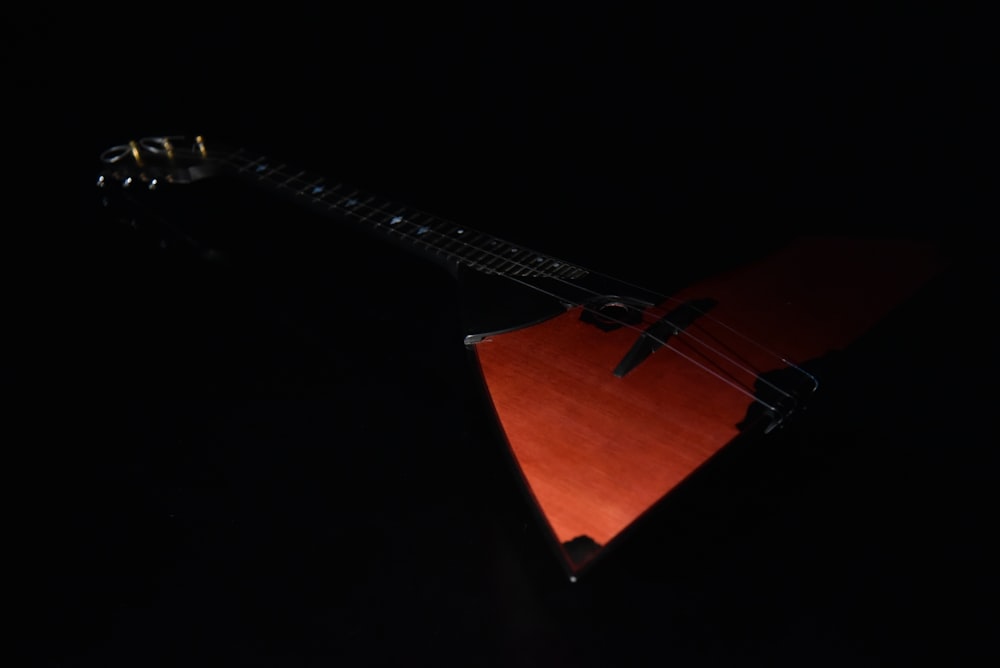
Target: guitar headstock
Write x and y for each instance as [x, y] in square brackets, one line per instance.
[133, 178]
[152, 161]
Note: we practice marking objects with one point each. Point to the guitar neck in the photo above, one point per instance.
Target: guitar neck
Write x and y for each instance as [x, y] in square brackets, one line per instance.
[439, 239]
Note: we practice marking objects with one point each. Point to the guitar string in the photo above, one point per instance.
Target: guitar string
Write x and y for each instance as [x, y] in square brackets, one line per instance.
[261, 169]
[707, 315]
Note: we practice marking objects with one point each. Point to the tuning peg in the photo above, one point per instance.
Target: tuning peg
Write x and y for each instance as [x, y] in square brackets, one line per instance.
[136, 153]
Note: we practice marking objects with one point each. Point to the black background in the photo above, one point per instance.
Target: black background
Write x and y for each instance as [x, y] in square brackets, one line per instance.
[291, 465]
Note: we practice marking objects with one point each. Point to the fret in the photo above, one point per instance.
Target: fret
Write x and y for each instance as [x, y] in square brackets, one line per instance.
[501, 249]
[453, 242]
[517, 257]
[255, 166]
[407, 226]
[342, 201]
[551, 266]
[439, 225]
[475, 264]
[506, 264]
[392, 220]
[558, 269]
[478, 261]
[466, 255]
[513, 257]
[314, 189]
[431, 229]
[266, 173]
[518, 267]
[364, 208]
[378, 208]
[440, 238]
[536, 262]
[447, 244]
[565, 270]
[523, 269]
[473, 246]
[438, 242]
[396, 218]
[487, 256]
[286, 182]
[424, 234]
[419, 225]
[493, 246]
[322, 194]
[468, 251]
[494, 259]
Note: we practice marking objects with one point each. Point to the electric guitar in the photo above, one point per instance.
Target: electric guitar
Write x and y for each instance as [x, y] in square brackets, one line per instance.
[609, 395]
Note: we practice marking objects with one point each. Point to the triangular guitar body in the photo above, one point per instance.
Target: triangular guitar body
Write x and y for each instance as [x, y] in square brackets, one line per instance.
[598, 449]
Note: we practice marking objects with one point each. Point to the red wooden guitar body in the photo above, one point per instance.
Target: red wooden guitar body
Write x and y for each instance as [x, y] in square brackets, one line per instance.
[597, 450]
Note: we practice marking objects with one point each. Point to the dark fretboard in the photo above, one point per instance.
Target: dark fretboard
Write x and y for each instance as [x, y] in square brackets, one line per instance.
[444, 239]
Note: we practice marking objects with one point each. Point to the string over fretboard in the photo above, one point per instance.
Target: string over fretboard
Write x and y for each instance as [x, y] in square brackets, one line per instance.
[441, 238]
